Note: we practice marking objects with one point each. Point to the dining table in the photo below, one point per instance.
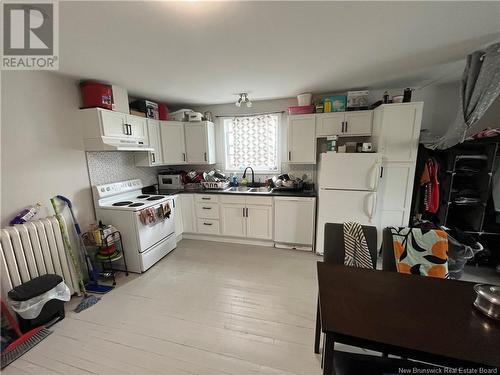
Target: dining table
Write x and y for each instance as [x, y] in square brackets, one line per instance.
[421, 318]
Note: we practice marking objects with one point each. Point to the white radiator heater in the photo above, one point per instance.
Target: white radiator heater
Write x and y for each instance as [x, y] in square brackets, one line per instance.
[33, 249]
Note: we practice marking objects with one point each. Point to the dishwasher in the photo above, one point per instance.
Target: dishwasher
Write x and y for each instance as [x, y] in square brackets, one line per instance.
[294, 222]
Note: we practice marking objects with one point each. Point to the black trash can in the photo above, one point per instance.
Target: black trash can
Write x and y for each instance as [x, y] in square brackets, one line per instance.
[52, 310]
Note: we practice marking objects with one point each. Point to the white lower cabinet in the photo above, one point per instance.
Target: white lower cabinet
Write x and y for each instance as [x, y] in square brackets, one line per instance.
[259, 222]
[247, 217]
[187, 213]
[233, 220]
[208, 226]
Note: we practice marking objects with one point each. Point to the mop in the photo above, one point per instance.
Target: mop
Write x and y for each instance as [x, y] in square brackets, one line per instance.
[93, 286]
[87, 300]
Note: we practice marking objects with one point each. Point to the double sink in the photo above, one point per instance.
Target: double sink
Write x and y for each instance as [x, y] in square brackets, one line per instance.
[246, 189]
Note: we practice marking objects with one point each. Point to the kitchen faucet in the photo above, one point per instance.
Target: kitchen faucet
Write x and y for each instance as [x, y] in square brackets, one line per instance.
[253, 175]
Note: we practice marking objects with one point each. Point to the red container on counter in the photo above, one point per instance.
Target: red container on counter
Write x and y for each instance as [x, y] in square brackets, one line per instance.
[163, 111]
[301, 109]
[95, 94]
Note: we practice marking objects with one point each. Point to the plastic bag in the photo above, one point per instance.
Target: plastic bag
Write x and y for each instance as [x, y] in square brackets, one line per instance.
[31, 308]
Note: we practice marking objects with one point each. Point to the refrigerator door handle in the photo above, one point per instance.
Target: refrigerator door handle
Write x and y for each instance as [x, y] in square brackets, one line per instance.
[374, 206]
[374, 177]
[377, 176]
[369, 205]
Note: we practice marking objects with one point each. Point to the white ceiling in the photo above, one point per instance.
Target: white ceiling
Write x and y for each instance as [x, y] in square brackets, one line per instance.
[206, 52]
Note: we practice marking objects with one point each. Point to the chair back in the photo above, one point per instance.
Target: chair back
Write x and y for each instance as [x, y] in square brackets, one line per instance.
[334, 243]
[388, 260]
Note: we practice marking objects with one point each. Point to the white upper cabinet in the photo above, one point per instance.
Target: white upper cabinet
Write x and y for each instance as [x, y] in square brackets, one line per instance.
[396, 129]
[344, 124]
[121, 125]
[105, 130]
[200, 142]
[302, 139]
[358, 123]
[138, 127]
[172, 142]
[114, 124]
[154, 157]
[329, 124]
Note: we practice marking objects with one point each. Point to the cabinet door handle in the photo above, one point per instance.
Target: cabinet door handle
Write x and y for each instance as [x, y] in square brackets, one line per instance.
[126, 129]
[244, 212]
[183, 156]
[346, 126]
[247, 211]
[129, 129]
[205, 156]
[207, 208]
[343, 124]
[207, 224]
[205, 198]
[153, 157]
[381, 171]
[289, 155]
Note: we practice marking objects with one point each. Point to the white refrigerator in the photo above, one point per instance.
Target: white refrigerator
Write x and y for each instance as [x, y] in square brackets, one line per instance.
[348, 184]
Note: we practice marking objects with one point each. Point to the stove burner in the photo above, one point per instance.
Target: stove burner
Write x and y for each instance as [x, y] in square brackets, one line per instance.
[124, 203]
[136, 204]
[143, 196]
[155, 197]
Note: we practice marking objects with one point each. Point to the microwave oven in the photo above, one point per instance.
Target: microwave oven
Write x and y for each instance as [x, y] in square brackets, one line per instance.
[170, 181]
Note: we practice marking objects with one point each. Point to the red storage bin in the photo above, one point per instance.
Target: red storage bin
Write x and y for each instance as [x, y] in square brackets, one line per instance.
[95, 94]
[163, 111]
[301, 109]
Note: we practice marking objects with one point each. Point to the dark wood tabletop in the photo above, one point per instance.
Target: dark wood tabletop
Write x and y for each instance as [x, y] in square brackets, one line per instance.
[421, 317]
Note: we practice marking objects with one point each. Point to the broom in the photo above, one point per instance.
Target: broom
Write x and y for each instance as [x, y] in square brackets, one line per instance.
[87, 300]
[23, 342]
[93, 286]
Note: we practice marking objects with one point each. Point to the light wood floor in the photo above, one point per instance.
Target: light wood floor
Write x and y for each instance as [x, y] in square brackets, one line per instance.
[207, 308]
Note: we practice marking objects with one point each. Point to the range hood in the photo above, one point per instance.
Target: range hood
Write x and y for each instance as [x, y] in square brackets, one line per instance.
[114, 144]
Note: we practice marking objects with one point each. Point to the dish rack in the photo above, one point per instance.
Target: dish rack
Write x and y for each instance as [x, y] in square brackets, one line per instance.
[215, 185]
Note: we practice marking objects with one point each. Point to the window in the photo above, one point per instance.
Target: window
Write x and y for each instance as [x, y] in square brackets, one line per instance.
[252, 141]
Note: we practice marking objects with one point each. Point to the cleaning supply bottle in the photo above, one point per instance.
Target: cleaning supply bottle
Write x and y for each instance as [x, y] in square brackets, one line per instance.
[26, 214]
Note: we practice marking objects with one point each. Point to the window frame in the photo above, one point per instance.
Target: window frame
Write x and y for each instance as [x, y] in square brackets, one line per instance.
[226, 168]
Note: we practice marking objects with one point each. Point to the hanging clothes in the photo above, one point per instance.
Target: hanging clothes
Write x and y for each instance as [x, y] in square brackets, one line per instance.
[430, 181]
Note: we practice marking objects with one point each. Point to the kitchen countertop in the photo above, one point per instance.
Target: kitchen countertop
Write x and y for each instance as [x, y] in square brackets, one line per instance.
[276, 193]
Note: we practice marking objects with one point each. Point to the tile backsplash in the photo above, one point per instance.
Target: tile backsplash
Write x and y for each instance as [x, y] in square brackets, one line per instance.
[112, 166]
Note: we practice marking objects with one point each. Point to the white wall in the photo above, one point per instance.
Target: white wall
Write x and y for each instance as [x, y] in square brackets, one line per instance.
[42, 150]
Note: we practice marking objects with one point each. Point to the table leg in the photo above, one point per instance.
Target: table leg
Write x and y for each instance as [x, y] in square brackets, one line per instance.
[328, 355]
[317, 333]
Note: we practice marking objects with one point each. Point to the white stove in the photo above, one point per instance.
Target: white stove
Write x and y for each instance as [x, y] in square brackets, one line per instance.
[123, 205]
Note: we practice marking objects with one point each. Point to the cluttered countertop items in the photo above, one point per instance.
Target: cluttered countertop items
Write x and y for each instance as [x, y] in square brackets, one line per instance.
[215, 182]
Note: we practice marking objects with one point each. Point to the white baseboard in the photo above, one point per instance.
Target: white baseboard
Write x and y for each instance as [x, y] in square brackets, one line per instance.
[281, 245]
[244, 241]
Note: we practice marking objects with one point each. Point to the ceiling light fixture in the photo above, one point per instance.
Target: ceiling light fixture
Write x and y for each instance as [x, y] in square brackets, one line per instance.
[243, 99]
